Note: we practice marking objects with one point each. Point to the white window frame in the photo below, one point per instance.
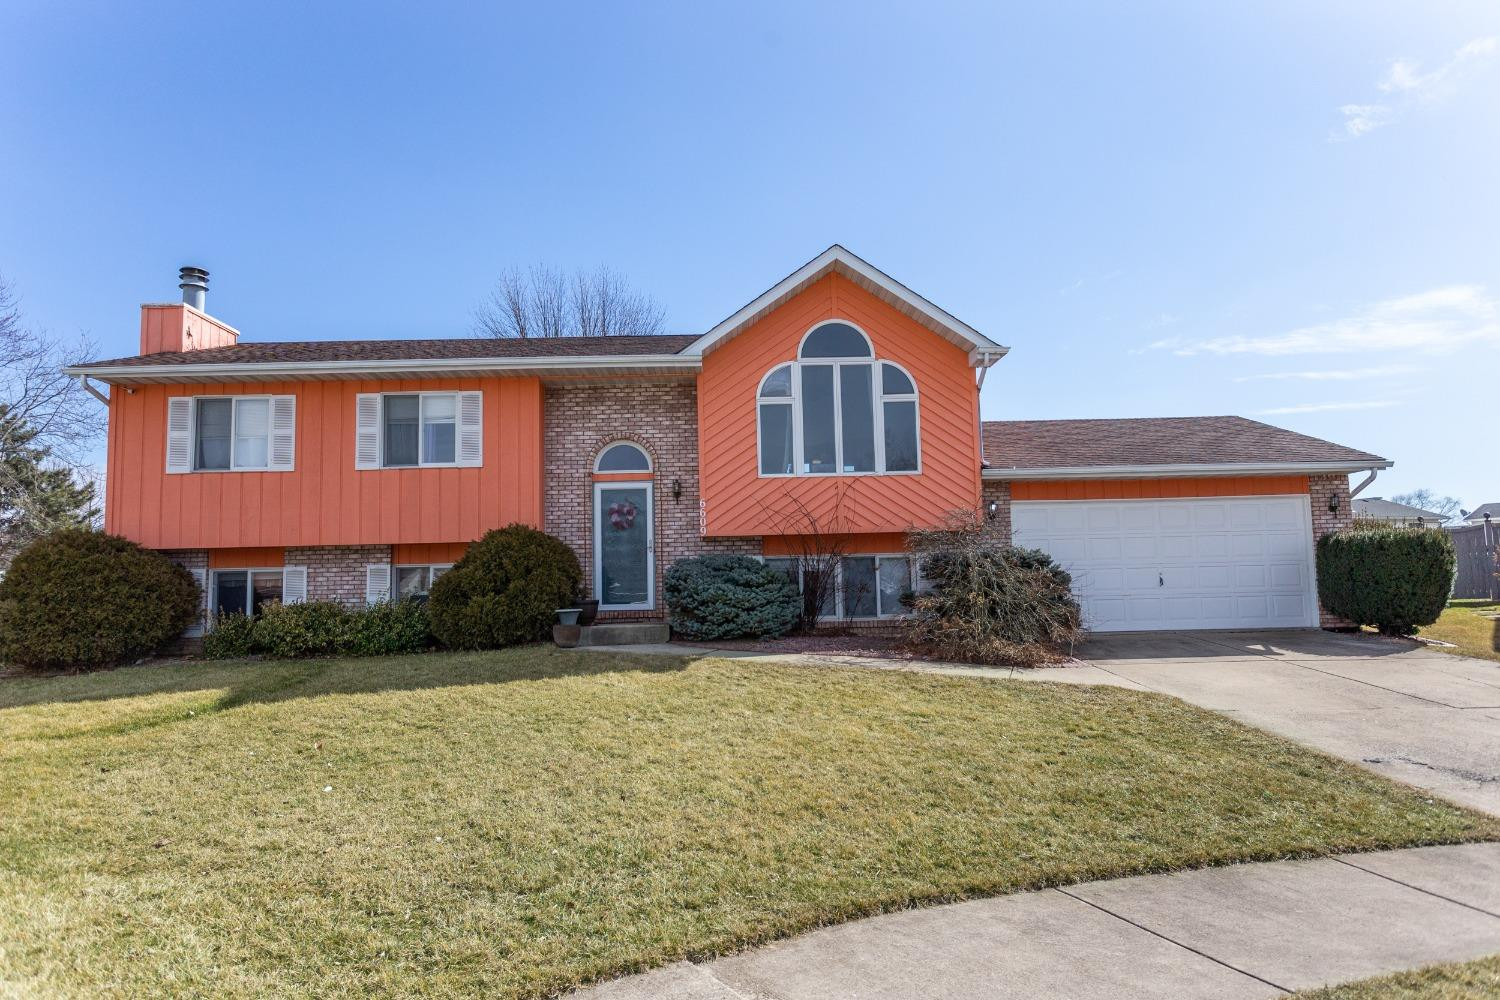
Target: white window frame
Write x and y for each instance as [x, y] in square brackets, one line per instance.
[913, 573]
[396, 568]
[422, 463]
[234, 417]
[878, 395]
[213, 587]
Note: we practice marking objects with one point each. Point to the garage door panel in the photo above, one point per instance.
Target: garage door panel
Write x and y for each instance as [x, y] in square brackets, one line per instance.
[1185, 563]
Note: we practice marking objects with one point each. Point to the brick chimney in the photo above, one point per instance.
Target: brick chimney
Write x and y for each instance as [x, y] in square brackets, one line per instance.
[184, 326]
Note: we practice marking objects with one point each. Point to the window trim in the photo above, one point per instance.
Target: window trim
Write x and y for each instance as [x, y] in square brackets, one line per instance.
[249, 609]
[647, 471]
[421, 395]
[234, 417]
[869, 341]
[878, 395]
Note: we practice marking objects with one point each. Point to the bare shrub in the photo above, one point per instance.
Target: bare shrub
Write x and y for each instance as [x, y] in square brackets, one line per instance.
[987, 601]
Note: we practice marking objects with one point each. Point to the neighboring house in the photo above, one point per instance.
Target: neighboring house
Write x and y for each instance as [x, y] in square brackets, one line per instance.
[1478, 514]
[1391, 512]
[358, 470]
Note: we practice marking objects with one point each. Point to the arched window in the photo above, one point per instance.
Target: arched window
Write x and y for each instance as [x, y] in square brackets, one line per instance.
[837, 410]
[622, 456]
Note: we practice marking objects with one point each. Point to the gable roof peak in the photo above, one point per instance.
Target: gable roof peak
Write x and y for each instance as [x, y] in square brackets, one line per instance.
[838, 259]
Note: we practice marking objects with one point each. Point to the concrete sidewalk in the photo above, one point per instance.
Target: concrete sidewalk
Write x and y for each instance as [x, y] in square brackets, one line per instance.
[1255, 930]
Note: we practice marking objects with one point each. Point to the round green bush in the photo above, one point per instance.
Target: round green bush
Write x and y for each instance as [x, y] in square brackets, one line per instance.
[82, 599]
[230, 638]
[729, 597]
[505, 590]
[1397, 579]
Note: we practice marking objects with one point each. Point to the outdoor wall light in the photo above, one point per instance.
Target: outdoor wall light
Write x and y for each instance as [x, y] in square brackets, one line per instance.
[677, 489]
[994, 507]
[1333, 505]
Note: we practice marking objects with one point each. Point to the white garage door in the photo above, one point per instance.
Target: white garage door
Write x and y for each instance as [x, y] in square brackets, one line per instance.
[1231, 562]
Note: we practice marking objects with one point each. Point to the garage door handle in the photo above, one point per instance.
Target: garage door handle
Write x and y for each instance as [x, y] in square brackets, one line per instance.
[1159, 581]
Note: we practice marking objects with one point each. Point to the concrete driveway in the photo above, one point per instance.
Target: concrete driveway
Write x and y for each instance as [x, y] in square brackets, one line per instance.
[1407, 711]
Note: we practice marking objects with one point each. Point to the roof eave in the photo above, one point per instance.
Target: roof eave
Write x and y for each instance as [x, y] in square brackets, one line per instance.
[1185, 469]
[943, 322]
[400, 368]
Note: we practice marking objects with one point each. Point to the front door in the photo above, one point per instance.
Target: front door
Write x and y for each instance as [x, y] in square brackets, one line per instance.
[624, 577]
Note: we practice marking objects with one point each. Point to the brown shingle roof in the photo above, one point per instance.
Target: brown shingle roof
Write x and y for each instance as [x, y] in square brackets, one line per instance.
[411, 350]
[1051, 444]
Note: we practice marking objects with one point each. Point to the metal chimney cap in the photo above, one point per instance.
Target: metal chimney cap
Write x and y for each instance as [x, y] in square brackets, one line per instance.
[194, 286]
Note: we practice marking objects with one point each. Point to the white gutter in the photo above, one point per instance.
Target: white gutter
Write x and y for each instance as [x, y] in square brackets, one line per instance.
[1183, 469]
[293, 370]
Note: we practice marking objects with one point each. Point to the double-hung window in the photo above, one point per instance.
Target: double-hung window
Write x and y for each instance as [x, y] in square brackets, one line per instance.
[417, 581]
[837, 410]
[231, 433]
[411, 429]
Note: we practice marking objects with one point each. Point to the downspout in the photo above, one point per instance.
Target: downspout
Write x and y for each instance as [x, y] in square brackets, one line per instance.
[1366, 482]
[984, 369]
[88, 387]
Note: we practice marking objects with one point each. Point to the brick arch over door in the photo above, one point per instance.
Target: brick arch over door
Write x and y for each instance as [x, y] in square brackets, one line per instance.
[659, 415]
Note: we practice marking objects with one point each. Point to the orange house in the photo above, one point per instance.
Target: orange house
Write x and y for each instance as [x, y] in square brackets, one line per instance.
[837, 404]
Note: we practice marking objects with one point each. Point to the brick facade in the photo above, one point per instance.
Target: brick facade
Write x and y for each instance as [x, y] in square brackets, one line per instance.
[997, 493]
[1323, 491]
[337, 572]
[661, 417]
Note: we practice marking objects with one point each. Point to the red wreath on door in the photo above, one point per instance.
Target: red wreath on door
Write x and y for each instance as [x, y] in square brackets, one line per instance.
[621, 515]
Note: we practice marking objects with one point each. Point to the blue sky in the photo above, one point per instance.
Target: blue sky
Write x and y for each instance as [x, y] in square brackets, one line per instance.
[1283, 210]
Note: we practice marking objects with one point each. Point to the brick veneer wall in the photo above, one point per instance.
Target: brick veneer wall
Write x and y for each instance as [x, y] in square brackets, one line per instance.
[662, 417]
[337, 572]
[998, 493]
[1322, 489]
[189, 559]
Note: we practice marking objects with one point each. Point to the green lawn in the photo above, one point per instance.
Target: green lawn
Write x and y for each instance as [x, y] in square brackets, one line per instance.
[1479, 980]
[1463, 624]
[508, 824]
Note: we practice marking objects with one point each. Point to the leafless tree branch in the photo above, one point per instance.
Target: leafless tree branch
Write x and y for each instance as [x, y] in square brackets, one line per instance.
[545, 302]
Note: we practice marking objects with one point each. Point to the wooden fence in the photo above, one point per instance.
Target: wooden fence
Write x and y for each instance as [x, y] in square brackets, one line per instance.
[1476, 545]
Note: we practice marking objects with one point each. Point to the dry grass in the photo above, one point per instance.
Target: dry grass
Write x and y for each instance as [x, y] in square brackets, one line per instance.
[1478, 980]
[509, 824]
[1464, 623]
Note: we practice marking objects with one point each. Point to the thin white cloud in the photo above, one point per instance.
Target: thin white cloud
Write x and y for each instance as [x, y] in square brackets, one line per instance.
[1408, 87]
[1336, 375]
[1439, 321]
[1373, 404]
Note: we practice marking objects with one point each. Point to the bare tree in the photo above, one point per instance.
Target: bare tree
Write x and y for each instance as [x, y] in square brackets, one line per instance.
[542, 301]
[66, 421]
[48, 429]
[817, 541]
[1428, 500]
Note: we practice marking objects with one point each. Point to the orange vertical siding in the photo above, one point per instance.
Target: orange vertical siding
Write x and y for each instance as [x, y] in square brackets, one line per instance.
[325, 500]
[740, 502]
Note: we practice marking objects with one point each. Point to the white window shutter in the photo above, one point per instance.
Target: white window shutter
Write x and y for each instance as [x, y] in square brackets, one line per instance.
[367, 430]
[283, 450]
[377, 583]
[471, 428]
[193, 631]
[293, 584]
[180, 434]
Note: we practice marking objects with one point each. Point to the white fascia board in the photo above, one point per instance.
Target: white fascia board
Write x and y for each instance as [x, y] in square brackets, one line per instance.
[1161, 471]
[293, 370]
[979, 344]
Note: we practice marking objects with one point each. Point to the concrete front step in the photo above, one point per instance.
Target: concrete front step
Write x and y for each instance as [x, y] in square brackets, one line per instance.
[610, 634]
